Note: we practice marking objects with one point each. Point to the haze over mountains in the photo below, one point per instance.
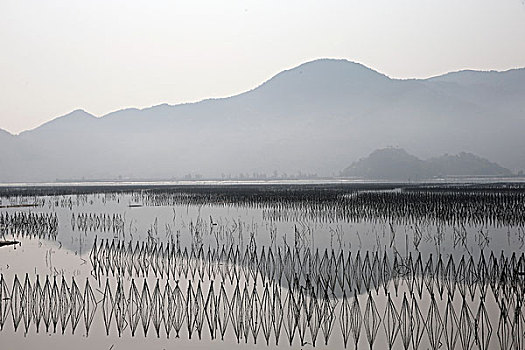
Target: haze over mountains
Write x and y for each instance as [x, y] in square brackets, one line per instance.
[316, 118]
[398, 164]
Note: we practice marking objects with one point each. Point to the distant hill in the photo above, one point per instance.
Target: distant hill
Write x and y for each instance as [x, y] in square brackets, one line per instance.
[464, 164]
[314, 118]
[397, 164]
[388, 163]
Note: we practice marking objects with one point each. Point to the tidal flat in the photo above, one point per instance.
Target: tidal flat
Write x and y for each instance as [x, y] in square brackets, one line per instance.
[361, 265]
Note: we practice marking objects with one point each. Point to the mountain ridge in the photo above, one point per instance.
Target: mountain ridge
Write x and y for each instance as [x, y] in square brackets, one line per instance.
[77, 115]
[278, 75]
[314, 118]
[5, 133]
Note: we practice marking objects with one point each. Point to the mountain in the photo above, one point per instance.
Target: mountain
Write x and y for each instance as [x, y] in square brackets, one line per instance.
[313, 118]
[398, 164]
[4, 133]
[465, 164]
[388, 163]
[76, 120]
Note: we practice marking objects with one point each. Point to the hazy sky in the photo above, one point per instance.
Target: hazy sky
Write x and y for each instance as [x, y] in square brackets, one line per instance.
[103, 55]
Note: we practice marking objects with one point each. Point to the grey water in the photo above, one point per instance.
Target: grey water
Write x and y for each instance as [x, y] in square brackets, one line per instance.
[377, 281]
